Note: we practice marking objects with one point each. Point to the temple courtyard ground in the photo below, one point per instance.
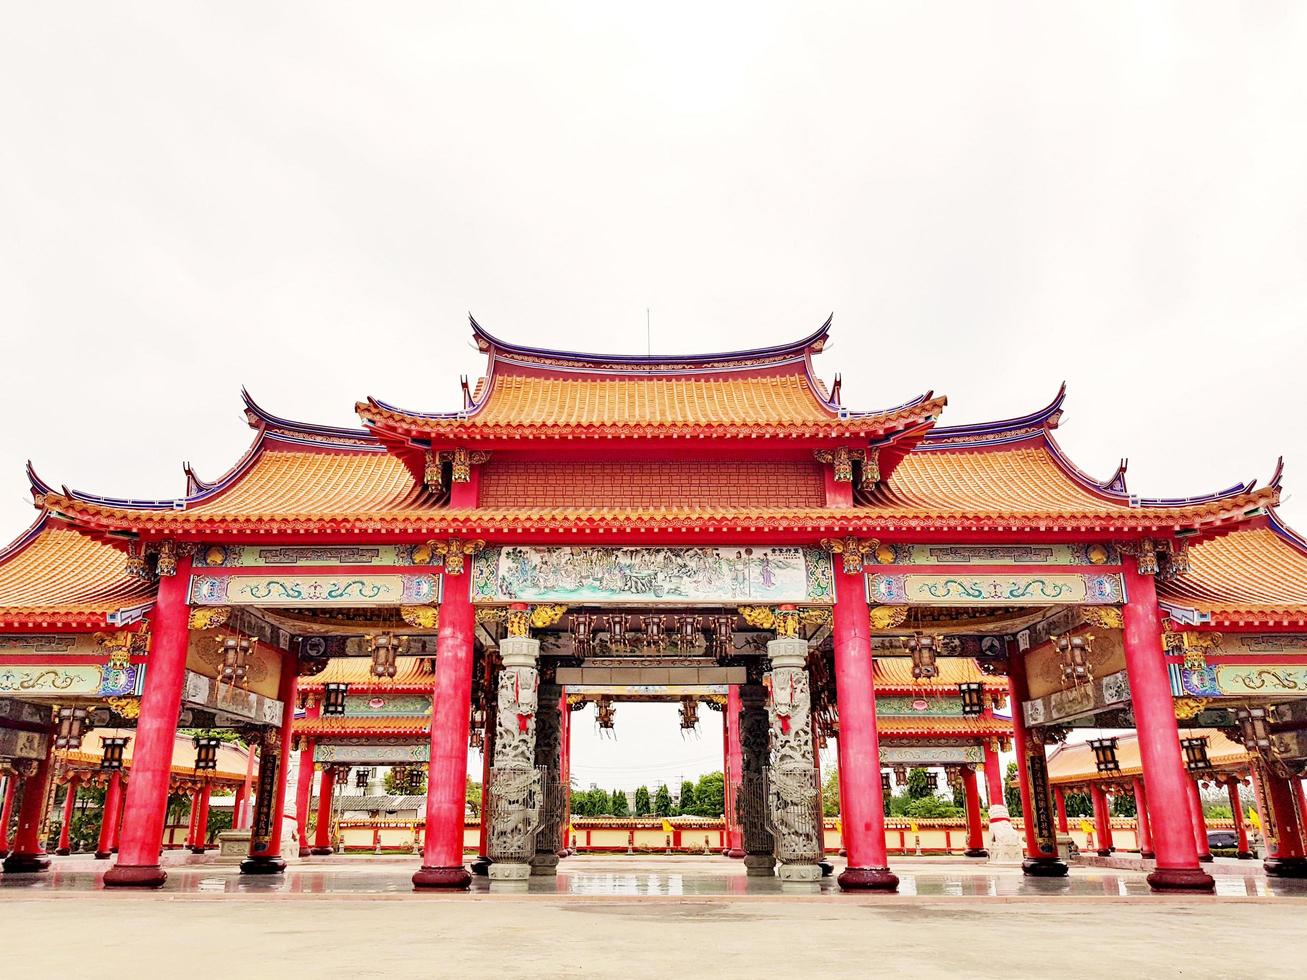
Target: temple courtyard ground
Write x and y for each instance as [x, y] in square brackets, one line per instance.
[651, 916]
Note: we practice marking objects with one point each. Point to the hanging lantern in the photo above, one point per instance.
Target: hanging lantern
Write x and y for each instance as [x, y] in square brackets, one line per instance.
[618, 626]
[689, 712]
[1073, 654]
[723, 634]
[1105, 759]
[385, 648]
[932, 780]
[973, 698]
[206, 753]
[582, 633]
[113, 748]
[333, 700]
[884, 782]
[687, 632]
[655, 633]
[475, 739]
[72, 728]
[901, 775]
[1195, 754]
[1253, 728]
[923, 649]
[604, 711]
[235, 664]
[362, 777]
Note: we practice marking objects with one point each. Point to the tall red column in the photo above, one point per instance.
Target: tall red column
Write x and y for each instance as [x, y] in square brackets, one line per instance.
[241, 817]
[975, 833]
[1165, 776]
[66, 827]
[482, 863]
[1288, 859]
[156, 731]
[304, 791]
[1300, 797]
[1059, 799]
[1199, 822]
[1102, 820]
[1240, 824]
[994, 777]
[564, 773]
[200, 837]
[265, 841]
[861, 803]
[734, 772]
[326, 790]
[194, 818]
[7, 812]
[1143, 826]
[27, 855]
[442, 853]
[1037, 807]
[109, 815]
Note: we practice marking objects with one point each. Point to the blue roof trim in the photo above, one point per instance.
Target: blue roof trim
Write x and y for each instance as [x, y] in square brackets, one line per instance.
[1004, 430]
[308, 428]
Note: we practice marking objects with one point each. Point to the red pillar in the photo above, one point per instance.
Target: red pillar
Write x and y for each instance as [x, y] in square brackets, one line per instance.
[7, 812]
[28, 855]
[975, 834]
[66, 827]
[304, 791]
[156, 731]
[1143, 826]
[734, 772]
[194, 795]
[1199, 822]
[1289, 858]
[1240, 825]
[109, 816]
[1102, 819]
[1059, 799]
[1042, 858]
[1301, 798]
[200, 836]
[265, 848]
[859, 747]
[326, 790]
[442, 853]
[482, 863]
[240, 818]
[1159, 739]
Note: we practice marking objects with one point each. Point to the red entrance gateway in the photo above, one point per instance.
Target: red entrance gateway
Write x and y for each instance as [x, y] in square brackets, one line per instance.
[585, 519]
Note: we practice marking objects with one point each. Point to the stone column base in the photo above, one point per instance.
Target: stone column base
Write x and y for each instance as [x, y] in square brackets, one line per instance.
[322, 851]
[64, 851]
[261, 865]
[510, 871]
[799, 872]
[976, 852]
[458, 877]
[135, 876]
[26, 864]
[869, 879]
[1181, 880]
[1290, 867]
[734, 852]
[544, 864]
[759, 865]
[1044, 867]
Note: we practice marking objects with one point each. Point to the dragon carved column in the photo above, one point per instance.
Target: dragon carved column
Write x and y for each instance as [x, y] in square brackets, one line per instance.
[548, 759]
[515, 785]
[793, 799]
[759, 858]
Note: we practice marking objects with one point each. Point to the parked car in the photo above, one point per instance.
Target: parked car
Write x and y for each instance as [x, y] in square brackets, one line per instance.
[1222, 840]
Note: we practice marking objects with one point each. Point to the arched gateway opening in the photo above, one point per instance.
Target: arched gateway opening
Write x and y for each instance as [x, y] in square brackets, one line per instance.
[721, 527]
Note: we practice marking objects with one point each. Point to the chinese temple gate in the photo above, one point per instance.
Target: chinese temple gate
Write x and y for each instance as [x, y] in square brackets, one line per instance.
[581, 523]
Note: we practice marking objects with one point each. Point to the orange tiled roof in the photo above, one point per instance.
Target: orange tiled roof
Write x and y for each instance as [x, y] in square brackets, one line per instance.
[894, 674]
[1249, 577]
[1075, 763]
[232, 758]
[54, 576]
[399, 726]
[931, 725]
[410, 672]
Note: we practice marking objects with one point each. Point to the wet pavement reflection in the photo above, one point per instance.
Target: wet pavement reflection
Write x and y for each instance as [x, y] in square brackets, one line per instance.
[634, 877]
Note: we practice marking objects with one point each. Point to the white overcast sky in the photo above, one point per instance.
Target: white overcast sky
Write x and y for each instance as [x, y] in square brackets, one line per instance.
[308, 198]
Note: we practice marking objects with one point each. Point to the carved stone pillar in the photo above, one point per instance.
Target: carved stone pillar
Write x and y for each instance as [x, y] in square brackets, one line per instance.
[515, 784]
[548, 759]
[793, 799]
[759, 850]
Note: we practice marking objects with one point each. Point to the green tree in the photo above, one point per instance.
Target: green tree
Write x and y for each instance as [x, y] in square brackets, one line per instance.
[830, 794]
[403, 781]
[686, 803]
[1079, 805]
[663, 801]
[473, 796]
[600, 803]
[1123, 805]
[918, 788]
[710, 795]
[1012, 791]
[643, 804]
[620, 808]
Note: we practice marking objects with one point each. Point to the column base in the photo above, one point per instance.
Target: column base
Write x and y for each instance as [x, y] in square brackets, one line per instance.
[103, 855]
[544, 864]
[1290, 867]
[481, 866]
[322, 851]
[135, 876]
[263, 866]
[1181, 880]
[1245, 855]
[1104, 852]
[799, 872]
[737, 853]
[827, 869]
[976, 852]
[1044, 867]
[759, 865]
[510, 871]
[64, 851]
[26, 864]
[1148, 855]
[869, 879]
[458, 877]
[198, 850]
[1206, 858]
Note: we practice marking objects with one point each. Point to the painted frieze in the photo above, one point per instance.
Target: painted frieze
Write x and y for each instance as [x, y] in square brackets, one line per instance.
[962, 589]
[374, 753]
[1236, 680]
[1100, 693]
[725, 575]
[930, 755]
[107, 680]
[292, 590]
[996, 554]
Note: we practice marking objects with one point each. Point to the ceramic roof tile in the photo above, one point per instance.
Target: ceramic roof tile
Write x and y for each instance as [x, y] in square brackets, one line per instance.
[1074, 763]
[931, 725]
[895, 673]
[1252, 576]
[396, 726]
[410, 672]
